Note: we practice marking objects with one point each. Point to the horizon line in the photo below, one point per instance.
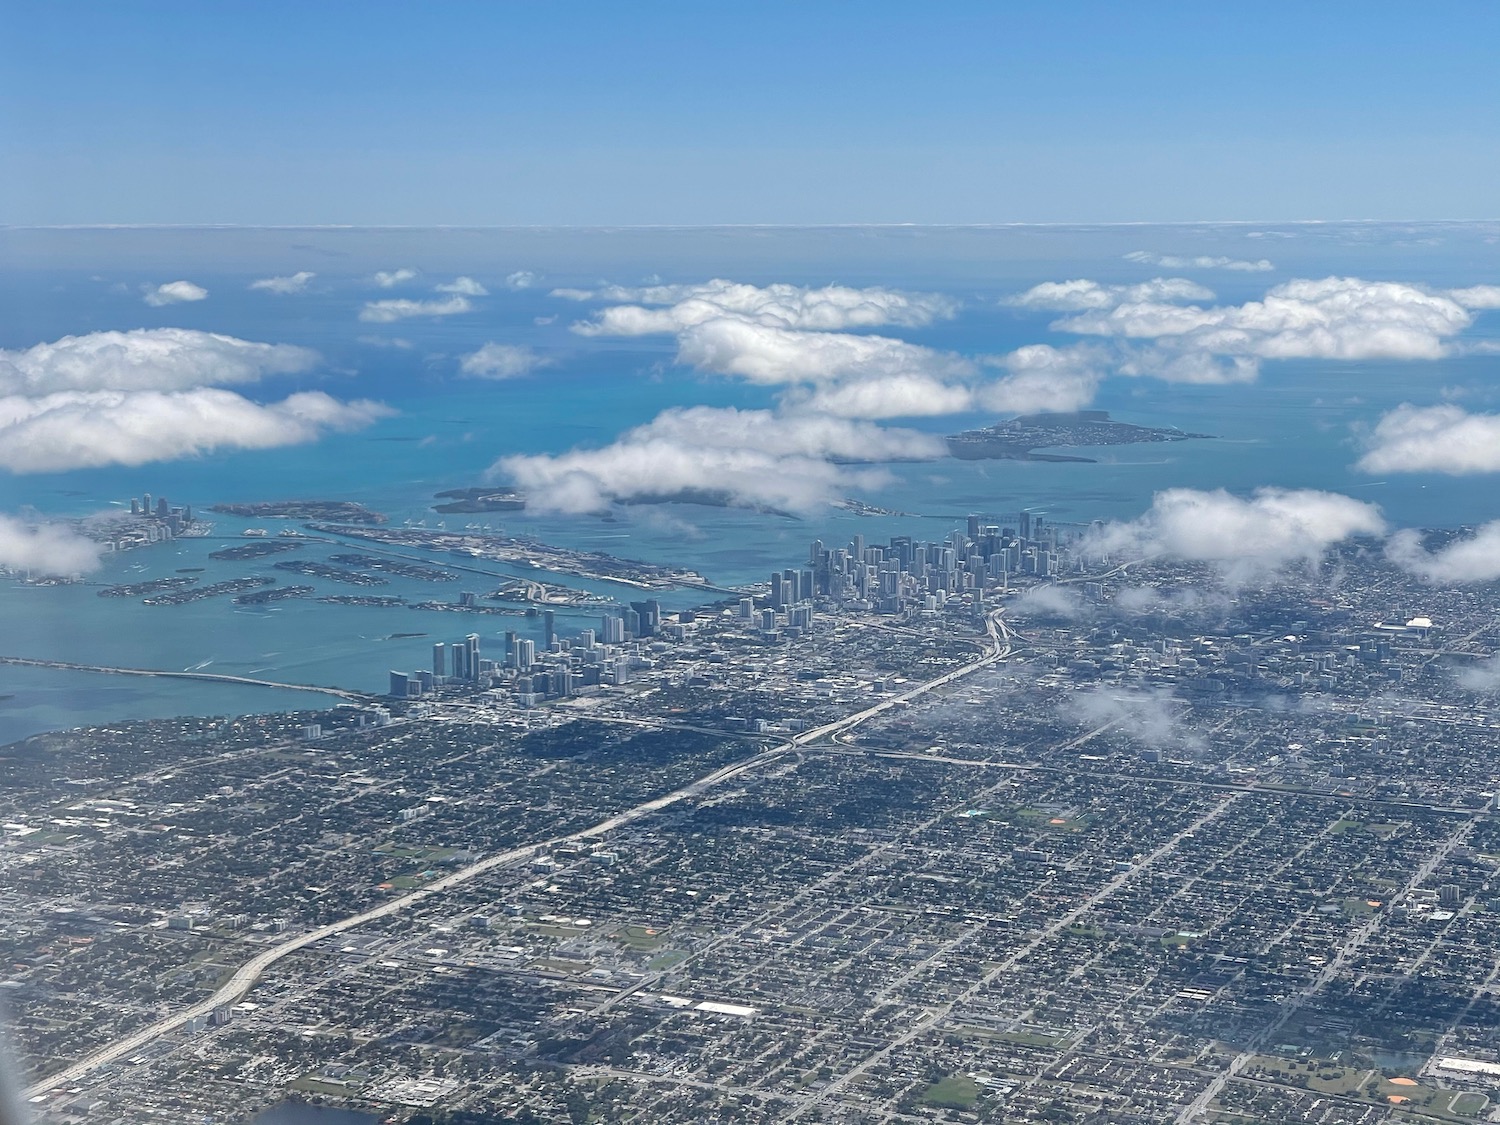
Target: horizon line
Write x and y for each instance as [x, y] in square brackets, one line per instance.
[602, 227]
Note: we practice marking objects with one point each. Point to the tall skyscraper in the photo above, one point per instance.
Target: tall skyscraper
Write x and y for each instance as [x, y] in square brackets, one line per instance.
[471, 645]
[460, 661]
[525, 654]
[777, 594]
[549, 627]
[612, 629]
[440, 660]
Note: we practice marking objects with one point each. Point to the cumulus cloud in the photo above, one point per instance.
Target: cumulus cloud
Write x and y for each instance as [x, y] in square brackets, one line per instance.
[765, 354]
[464, 287]
[905, 380]
[1474, 558]
[501, 361]
[146, 359]
[670, 308]
[1151, 718]
[1272, 529]
[389, 279]
[1188, 366]
[1172, 262]
[1341, 318]
[794, 336]
[284, 286]
[1433, 439]
[1044, 379]
[147, 395]
[45, 549]
[1081, 294]
[746, 457]
[401, 308]
[1477, 296]
[87, 429]
[520, 279]
[173, 293]
[893, 395]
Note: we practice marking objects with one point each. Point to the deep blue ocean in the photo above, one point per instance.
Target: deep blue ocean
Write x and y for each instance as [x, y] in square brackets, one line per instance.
[1296, 427]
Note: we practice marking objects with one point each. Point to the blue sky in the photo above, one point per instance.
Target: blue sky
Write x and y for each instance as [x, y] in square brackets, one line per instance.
[676, 113]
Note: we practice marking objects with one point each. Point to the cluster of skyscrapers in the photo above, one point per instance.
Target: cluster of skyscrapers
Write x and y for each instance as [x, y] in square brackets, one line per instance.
[152, 522]
[462, 657]
[904, 575]
[560, 667]
[907, 574]
[174, 518]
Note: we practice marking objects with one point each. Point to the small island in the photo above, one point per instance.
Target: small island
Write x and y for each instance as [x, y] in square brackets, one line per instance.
[333, 511]
[275, 594]
[257, 550]
[485, 499]
[1018, 439]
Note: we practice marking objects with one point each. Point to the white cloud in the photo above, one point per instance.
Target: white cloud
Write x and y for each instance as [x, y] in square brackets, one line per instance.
[173, 293]
[1477, 296]
[283, 286]
[1433, 439]
[1474, 558]
[873, 377]
[146, 395]
[1338, 318]
[1148, 717]
[897, 395]
[501, 361]
[1044, 379]
[385, 312]
[464, 287]
[146, 359]
[521, 279]
[1341, 318]
[749, 457]
[1188, 366]
[395, 342]
[389, 279]
[45, 549]
[1483, 675]
[1081, 294]
[791, 335]
[766, 354]
[1272, 529]
[830, 308]
[1201, 262]
[86, 429]
[1050, 601]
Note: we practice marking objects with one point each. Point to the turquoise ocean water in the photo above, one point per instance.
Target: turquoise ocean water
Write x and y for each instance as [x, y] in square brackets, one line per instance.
[1297, 426]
